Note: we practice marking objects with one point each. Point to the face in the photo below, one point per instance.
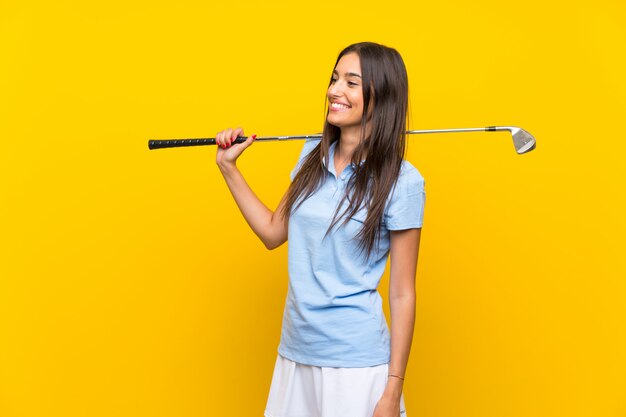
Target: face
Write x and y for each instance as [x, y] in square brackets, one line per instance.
[345, 93]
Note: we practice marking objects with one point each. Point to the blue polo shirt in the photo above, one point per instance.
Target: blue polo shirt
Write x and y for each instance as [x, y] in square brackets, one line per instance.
[333, 314]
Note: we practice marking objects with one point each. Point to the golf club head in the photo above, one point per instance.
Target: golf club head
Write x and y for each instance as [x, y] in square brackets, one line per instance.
[523, 141]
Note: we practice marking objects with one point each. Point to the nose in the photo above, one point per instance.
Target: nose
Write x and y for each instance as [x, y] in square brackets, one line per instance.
[335, 89]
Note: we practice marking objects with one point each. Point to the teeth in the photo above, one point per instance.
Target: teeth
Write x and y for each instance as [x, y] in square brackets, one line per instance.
[339, 106]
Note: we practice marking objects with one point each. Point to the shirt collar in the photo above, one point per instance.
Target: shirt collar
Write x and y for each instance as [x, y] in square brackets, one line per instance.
[331, 158]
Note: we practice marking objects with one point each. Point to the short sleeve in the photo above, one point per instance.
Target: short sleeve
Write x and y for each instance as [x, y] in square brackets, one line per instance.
[309, 145]
[405, 207]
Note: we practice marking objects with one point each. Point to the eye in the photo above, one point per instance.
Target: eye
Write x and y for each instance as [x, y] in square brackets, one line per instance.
[332, 80]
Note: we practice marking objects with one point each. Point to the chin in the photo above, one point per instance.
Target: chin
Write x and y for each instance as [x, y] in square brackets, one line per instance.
[340, 123]
[334, 124]
[328, 119]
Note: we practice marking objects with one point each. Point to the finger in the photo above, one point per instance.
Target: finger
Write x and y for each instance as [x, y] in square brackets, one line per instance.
[219, 139]
[228, 133]
[247, 142]
[225, 138]
[233, 135]
[236, 133]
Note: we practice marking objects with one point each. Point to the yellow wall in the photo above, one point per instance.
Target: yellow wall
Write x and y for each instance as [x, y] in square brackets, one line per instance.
[130, 285]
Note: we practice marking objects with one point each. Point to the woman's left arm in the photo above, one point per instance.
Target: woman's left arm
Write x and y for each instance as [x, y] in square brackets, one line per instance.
[404, 252]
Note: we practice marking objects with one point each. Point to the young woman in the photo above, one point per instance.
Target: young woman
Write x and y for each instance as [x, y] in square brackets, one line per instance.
[353, 201]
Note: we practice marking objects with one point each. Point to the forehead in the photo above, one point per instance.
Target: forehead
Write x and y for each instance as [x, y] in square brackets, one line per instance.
[348, 63]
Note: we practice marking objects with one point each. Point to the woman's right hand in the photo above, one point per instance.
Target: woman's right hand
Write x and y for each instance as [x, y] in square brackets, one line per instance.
[228, 152]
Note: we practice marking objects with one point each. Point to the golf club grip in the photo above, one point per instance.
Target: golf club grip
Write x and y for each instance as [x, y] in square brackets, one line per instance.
[176, 143]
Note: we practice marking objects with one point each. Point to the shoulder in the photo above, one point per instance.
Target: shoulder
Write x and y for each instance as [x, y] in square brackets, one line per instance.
[410, 177]
[405, 205]
[409, 184]
[309, 145]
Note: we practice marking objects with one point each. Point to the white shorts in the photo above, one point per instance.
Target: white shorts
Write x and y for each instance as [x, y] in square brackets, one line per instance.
[299, 390]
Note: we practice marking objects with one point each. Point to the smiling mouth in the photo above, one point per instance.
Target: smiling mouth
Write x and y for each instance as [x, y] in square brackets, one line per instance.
[339, 107]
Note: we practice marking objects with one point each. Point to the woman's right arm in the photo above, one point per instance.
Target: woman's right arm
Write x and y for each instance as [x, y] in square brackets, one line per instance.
[267, 225]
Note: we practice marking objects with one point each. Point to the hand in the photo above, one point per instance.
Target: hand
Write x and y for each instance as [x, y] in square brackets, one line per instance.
[227, 154]
[387, 407]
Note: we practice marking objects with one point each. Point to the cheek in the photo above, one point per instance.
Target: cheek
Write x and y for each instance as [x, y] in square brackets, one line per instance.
[357, 99]
[358, 103]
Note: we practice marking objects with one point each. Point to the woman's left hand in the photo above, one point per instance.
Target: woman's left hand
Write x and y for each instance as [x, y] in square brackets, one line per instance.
[387, 407]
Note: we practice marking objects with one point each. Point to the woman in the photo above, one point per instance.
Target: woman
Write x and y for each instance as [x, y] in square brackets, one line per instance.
[352, 201]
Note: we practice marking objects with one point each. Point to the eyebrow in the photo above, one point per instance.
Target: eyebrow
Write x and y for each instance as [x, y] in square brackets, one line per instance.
[348, 74]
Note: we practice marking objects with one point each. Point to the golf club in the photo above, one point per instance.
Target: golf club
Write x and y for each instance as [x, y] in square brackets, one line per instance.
[522, 140]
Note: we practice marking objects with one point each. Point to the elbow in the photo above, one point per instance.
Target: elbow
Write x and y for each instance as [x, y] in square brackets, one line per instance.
[273, 237]
[272, 244]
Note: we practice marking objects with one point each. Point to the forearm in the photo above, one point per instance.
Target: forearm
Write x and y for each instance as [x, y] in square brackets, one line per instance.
[402, 325]
[263, 222]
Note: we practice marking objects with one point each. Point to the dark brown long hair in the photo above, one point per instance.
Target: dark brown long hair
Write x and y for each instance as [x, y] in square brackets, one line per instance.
[385, 87]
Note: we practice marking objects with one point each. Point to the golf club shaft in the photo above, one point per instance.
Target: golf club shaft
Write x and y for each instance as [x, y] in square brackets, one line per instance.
[174, 143]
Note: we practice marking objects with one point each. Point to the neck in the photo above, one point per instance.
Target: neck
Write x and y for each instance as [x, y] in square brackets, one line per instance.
[348, 141]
